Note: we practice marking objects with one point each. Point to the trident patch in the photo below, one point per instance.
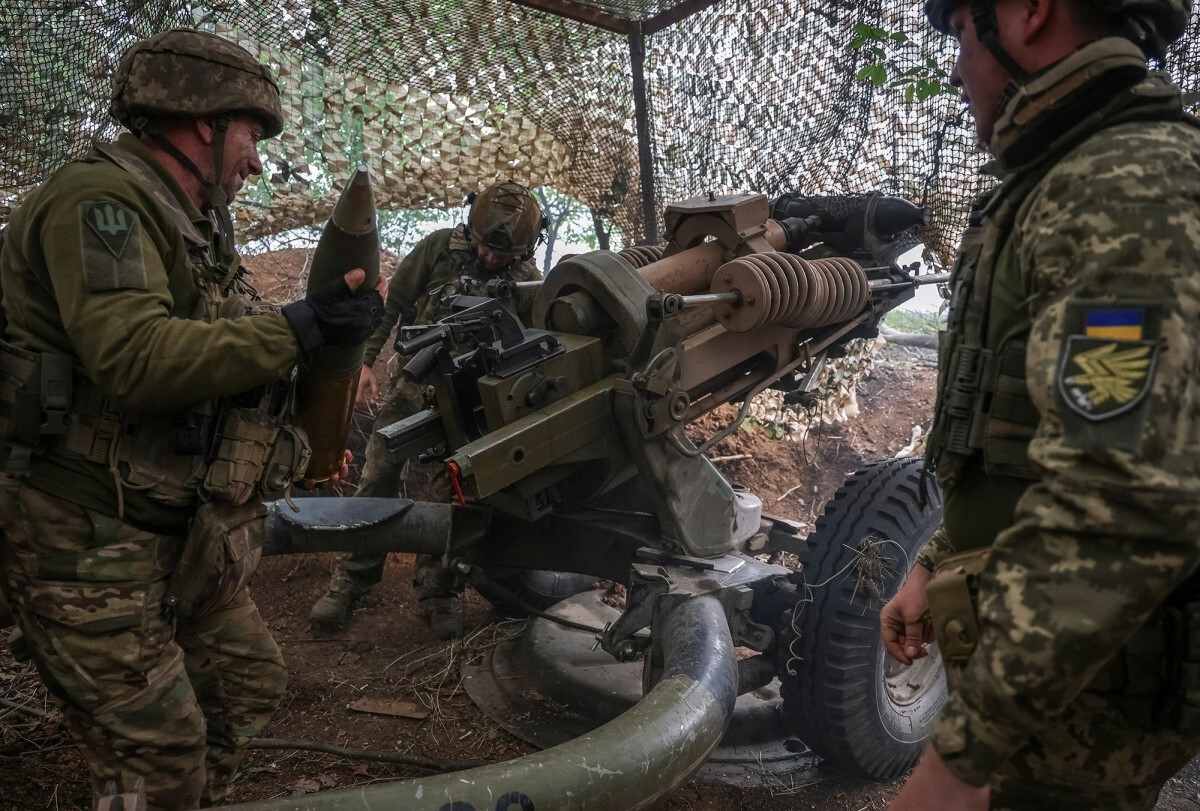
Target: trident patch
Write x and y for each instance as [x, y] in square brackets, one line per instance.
[113, 223]
[110, 242]
[1100, 378]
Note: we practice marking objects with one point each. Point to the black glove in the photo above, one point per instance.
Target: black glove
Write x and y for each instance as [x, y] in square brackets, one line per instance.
[334, 314]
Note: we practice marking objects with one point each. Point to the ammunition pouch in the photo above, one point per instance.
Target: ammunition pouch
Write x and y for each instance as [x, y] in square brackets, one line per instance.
[255, 454]
[49, 406]
[983, 400]
[147, 462]
[985, 408]
[220, 554]
[952, 606]
[48, 403]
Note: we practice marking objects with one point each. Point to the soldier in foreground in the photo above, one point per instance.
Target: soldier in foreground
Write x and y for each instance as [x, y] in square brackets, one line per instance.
[145, 416]
[502, 231]
[1063, 587]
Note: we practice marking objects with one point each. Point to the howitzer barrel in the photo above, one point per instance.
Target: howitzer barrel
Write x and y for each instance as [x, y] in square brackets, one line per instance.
[884, 215]
[327, 380]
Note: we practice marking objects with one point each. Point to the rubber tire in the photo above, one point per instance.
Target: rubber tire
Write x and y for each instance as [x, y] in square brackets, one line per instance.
[838, 701]
[537, 588]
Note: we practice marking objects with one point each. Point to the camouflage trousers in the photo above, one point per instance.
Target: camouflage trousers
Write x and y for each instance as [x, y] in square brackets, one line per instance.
[357, 572]
[1102, 753]
[174, 702]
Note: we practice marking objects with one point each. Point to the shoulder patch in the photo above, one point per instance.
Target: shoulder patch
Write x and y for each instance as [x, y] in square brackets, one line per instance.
[113, 223]
[1101, 378]
[111, 246]
[1106, 367]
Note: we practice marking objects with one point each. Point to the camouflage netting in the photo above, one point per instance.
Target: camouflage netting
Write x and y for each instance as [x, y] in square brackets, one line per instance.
[444, 96]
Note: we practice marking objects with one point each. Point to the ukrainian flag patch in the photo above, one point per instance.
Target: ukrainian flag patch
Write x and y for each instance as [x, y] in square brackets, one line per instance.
[1119, 325]
[1106, 368]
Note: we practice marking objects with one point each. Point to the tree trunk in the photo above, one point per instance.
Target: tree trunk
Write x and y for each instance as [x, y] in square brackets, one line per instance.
[602, 233]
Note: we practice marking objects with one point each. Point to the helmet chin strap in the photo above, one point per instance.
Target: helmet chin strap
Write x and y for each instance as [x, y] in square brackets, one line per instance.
[218, 207]
[216, 203]
[983, 14]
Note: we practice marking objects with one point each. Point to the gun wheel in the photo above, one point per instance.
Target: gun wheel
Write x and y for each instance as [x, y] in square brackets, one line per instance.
[850, 702]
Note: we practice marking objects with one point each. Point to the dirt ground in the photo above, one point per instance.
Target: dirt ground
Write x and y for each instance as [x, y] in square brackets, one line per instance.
[388, 657]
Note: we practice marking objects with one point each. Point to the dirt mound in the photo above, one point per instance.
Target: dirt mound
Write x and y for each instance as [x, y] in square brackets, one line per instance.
[280, 276]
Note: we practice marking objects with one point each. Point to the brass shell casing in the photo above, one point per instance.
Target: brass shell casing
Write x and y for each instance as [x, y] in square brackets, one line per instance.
[327, 380]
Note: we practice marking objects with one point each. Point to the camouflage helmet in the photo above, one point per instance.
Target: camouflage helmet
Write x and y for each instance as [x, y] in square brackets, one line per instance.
[1152, 24]
[506, 218]
[193, 74]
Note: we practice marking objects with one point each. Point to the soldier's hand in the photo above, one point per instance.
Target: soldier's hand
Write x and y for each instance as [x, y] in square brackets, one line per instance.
[368, 388]
[341, 475]
[333, 314]
[904, 623]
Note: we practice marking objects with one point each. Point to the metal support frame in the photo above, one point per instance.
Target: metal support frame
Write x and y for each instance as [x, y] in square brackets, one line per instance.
[579, 13]
[641, 114]
[637, 31]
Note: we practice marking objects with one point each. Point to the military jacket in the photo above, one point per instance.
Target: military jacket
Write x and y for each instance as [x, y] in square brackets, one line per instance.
[421, 286]
[106, 267]
[1090, 252]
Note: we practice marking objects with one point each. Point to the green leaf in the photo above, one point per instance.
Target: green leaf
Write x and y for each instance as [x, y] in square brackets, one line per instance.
[869, 31]
[927, 90]
[899, 36]
[910, 92]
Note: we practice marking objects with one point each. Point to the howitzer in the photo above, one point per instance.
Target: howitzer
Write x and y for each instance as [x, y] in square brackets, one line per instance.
[564, 443]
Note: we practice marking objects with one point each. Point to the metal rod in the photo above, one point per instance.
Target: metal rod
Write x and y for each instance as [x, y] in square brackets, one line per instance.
[641, 114]
[665, 19]
[732, 297]
[629, 763]
[917, 281]
[579, 13]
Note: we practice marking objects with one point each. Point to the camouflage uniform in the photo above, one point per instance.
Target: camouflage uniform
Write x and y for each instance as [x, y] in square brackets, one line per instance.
[1067, 441]
[131, 515]
[418, 287]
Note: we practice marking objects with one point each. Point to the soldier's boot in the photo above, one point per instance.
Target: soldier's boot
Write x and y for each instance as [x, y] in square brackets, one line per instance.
[439, 603]
[443, 616]
[333, 609]
[18, 646]
[353, 578]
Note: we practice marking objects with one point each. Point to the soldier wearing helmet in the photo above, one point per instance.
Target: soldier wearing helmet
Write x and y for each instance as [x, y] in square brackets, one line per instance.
[1062, 588]
[141, 375]
[504, 227]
